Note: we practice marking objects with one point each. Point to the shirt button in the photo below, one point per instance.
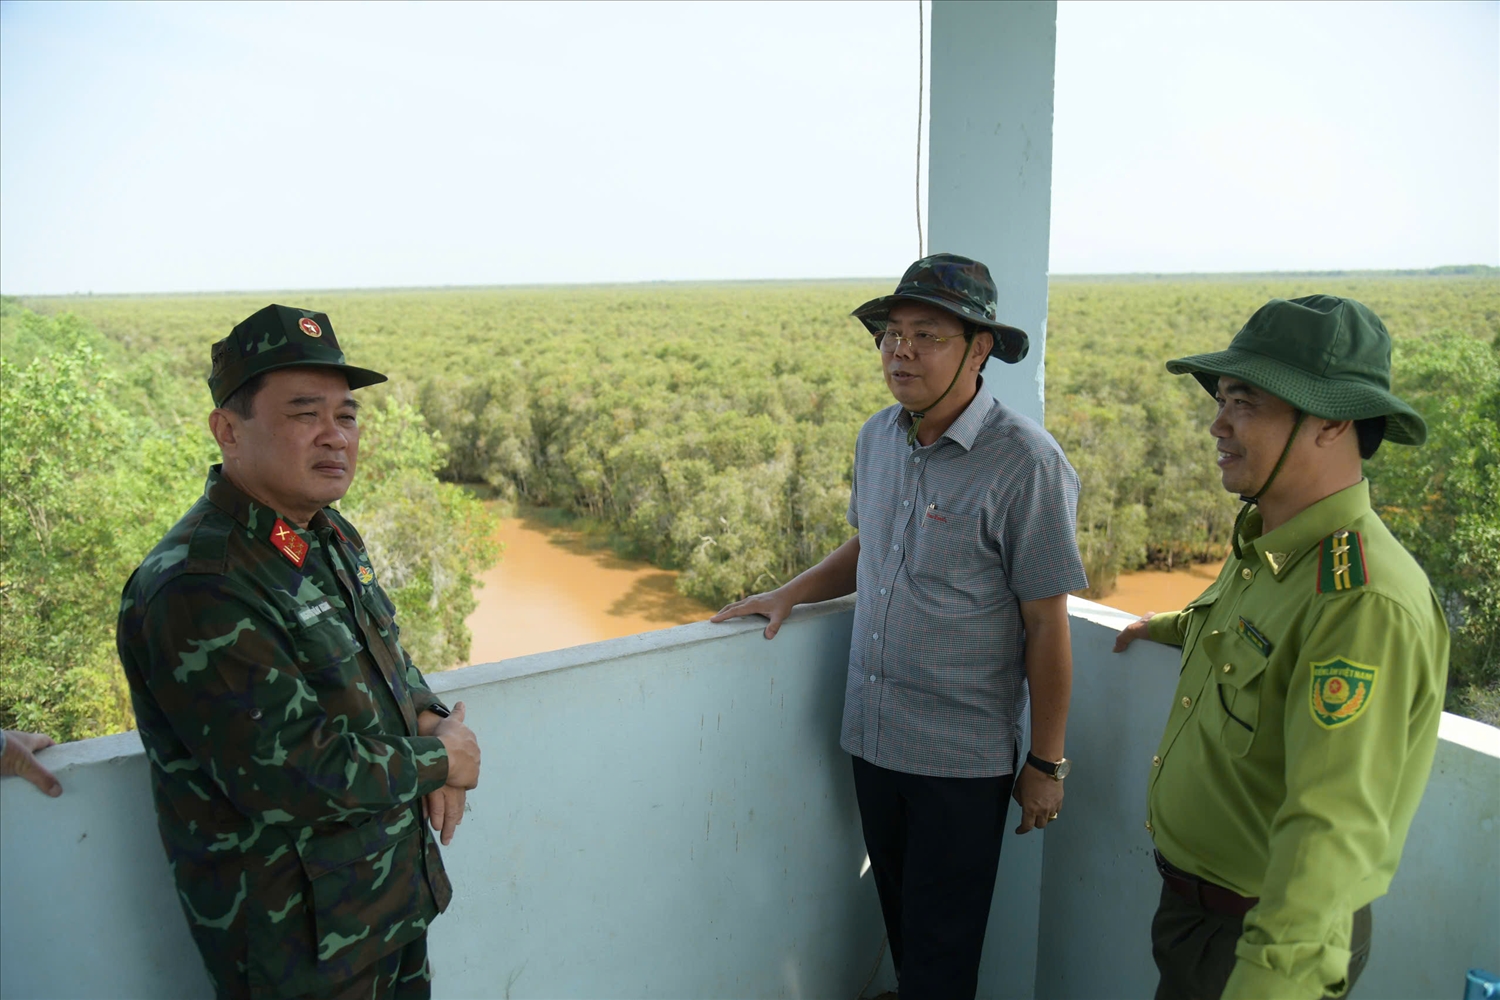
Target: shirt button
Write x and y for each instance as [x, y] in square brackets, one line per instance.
[914, 461]
[906, 503]
[1156, 762]
[255, 713]
[1246, 573]
[1228, 667]
[872, 678]
[1187, 702]
[894, 546]
[875, 635]
[882, 591]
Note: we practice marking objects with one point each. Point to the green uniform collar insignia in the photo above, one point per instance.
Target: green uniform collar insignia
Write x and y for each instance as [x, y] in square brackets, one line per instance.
[1342, 563]
[1341, 691]
[1285, 547]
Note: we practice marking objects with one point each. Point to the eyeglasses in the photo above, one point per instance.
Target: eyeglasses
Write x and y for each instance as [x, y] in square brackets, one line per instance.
[920, 342]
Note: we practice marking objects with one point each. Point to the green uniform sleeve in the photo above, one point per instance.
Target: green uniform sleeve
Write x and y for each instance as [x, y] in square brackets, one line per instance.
[253, 708]
[1353, 702]
[1167, 627]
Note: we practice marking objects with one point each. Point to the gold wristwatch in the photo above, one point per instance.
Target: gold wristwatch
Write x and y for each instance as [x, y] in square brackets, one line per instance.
[1056, 770]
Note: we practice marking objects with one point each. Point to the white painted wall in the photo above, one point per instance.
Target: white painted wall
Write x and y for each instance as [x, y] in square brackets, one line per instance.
[669, 815]
[663, 815]
[989, 189]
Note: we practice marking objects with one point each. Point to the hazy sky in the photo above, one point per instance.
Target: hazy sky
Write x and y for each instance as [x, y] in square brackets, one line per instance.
[220, 146]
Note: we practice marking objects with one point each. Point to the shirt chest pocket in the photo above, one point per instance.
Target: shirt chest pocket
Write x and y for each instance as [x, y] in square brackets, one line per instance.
[1233, 708]
[947, 548]
[328, 655]
[324, 643]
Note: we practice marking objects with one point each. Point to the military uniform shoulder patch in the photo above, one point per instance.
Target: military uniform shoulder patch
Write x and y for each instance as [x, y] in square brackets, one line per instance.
[1341, 565]
[288, 543]
[1341, 691]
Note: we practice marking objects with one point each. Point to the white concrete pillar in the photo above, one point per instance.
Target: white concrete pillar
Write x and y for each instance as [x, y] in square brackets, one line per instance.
[990, 197]
[990, 174]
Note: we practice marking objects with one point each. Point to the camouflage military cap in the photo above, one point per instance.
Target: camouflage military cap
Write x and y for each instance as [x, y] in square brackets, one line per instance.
[1327, 356]
[279, 337]
[955, 284]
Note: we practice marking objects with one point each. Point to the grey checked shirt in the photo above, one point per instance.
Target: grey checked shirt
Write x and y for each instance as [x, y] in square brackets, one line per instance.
[952, 537]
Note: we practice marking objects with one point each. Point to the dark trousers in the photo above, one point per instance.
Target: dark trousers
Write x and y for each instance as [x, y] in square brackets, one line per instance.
[1194, 948]
[934, 848]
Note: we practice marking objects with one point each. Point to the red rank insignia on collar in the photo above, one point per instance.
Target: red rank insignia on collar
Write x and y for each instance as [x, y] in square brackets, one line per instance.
[288, 543]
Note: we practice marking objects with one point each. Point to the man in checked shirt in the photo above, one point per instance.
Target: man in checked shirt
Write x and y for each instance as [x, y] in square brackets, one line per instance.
[963, 562]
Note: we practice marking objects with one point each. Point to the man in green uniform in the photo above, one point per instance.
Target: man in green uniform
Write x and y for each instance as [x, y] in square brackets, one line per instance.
[293, 745]
[1305, 720]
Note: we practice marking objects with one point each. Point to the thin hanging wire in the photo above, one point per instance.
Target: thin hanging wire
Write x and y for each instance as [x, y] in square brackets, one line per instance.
[921, 95]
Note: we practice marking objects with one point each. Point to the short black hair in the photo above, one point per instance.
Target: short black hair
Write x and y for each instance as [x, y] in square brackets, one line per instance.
[1370, 431]
[242, 400]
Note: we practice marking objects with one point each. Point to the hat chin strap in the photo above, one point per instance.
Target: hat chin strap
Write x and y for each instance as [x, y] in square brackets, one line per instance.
[1251, 501]
[917, 415]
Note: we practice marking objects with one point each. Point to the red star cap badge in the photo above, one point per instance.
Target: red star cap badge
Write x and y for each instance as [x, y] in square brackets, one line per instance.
[288, 543]
[310, 327]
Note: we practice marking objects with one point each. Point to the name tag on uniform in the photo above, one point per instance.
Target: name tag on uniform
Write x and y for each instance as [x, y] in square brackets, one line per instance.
[1252, 635]
[310, 613]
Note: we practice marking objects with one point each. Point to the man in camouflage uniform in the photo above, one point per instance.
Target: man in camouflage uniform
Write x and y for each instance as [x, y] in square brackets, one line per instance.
[293, 745]
[1306, 716]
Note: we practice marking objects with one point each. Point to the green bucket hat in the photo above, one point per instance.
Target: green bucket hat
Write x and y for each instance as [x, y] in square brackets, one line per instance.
[279, 337]
[1328, 356]
[955, 284]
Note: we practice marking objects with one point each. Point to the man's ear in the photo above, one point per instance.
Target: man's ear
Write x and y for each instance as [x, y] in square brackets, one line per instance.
[983, 343]
[1330, 432]
[223, 426]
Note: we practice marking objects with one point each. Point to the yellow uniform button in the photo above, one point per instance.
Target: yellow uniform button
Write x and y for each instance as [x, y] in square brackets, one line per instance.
[1187, 702]
[1156, 762]
[1148, 827]
[1246, 573]
[1228, 667]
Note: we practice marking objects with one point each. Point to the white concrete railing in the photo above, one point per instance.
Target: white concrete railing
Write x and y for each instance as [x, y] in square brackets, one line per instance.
[670, 815]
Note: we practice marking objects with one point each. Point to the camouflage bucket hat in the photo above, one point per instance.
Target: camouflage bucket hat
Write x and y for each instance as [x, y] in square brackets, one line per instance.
[954, 284]
[1327, 356]
[279, 337]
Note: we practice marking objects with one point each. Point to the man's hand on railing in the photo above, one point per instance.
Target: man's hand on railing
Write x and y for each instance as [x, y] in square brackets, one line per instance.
[774, 605]
[1130, 633]
[833, 577]
[18, 757]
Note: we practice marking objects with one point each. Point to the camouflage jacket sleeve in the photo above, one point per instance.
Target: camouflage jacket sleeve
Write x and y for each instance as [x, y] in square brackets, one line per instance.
[248, 702]
[422, 697]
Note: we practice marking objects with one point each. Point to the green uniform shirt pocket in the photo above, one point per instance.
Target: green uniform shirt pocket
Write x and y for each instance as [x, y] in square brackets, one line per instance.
[1233, 713]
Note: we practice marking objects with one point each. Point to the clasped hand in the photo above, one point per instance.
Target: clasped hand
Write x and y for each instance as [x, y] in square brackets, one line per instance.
[445, 807]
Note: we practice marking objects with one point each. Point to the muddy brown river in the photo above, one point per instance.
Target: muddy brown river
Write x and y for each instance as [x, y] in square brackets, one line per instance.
[552, 589]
